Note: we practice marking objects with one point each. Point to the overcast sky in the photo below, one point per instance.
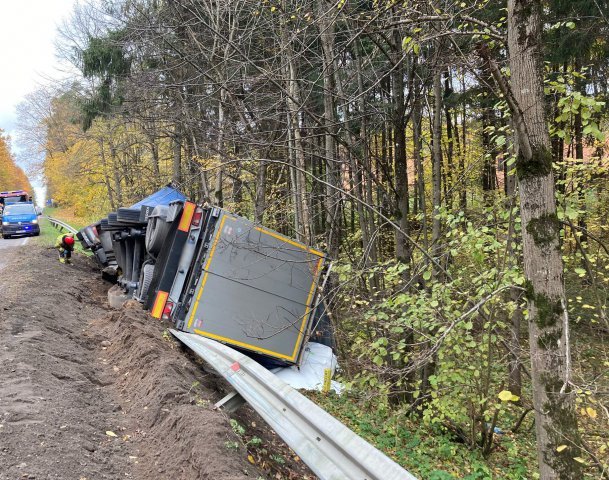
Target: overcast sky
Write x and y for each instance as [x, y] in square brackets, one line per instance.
[27, 57]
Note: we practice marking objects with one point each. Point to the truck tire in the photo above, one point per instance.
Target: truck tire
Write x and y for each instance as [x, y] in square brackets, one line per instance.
[144, 284]
[157, 230]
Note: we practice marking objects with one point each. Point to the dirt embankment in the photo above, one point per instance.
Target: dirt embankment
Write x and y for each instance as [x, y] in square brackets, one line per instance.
[90, 394]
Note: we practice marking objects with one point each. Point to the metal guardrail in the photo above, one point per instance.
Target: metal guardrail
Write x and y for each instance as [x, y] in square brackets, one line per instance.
[59, 225]
[329, 448]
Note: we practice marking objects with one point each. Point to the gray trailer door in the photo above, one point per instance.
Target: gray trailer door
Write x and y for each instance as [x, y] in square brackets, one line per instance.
[257, 289]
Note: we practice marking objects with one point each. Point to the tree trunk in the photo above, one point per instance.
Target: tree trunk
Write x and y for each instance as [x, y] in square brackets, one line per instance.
[450, 137]
[333, 173]
[514, 344]
[365, 180]
[260, 204]
[203, 175]
[302, 209]
[579, 157]
[218, 190]
[102, 155]
[555, 417]
[294, 188]
[489, 168]
[437, 153]
[177, 156]
[118, 188]
[462, 172]
[417, 148]
[403, 250]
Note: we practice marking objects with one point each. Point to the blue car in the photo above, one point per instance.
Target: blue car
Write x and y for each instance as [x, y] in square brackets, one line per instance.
[20, 219]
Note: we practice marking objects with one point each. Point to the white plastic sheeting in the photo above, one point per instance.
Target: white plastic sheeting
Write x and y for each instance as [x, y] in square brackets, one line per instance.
[310, 375]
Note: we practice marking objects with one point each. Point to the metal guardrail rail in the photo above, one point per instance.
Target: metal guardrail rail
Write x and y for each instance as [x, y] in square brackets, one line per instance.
[329, 448]
[59, 225]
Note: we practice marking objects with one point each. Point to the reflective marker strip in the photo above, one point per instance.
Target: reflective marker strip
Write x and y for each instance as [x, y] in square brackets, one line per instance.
[287, 240]
[187, 213]
[327, 380]
[308, 312]
[159, 304]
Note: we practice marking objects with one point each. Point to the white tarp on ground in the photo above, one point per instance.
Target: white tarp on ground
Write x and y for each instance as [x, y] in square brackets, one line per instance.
[310, 375]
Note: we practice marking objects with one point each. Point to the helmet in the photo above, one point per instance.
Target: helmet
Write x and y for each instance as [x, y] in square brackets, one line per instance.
[69, 241]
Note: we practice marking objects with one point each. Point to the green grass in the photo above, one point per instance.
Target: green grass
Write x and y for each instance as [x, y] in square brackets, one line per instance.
[65, 216]
[429, 452]
[47, 233]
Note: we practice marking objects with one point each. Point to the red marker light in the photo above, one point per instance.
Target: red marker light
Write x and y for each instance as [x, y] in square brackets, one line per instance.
[196, 218]
[167, 311]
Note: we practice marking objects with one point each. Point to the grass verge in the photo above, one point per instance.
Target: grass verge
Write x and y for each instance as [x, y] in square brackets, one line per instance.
[67, 216]
[428, 451]
[48, 235]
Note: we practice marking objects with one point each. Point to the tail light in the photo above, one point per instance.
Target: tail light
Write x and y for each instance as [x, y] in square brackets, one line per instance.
[196, 218]
[167, 310]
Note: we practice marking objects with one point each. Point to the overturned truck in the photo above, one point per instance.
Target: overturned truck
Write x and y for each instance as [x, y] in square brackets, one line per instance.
[215, 274]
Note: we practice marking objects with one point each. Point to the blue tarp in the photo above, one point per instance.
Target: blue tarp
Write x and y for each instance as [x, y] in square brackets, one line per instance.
[164, 196]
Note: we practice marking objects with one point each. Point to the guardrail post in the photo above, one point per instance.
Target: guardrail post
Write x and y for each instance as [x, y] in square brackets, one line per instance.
[231, 402]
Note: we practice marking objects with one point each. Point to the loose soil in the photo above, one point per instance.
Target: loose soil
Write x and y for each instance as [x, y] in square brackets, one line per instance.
[88, 393]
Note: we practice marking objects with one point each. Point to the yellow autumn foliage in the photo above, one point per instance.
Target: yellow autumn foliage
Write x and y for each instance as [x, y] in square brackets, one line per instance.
[11, 176]
[108, 166]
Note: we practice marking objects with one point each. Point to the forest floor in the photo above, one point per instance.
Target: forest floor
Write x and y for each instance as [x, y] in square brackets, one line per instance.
[91, 393]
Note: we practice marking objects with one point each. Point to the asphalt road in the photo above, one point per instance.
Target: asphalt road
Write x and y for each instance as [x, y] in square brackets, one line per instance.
[7, 245]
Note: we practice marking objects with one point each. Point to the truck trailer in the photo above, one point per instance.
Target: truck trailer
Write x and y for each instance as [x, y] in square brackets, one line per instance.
[218, 275]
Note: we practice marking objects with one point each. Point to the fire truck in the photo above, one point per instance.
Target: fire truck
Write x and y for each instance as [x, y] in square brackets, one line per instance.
[13, 196]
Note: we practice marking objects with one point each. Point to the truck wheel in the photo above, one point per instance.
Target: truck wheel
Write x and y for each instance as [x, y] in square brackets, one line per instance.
[6, 237]
[144, 283]
[157, 230]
